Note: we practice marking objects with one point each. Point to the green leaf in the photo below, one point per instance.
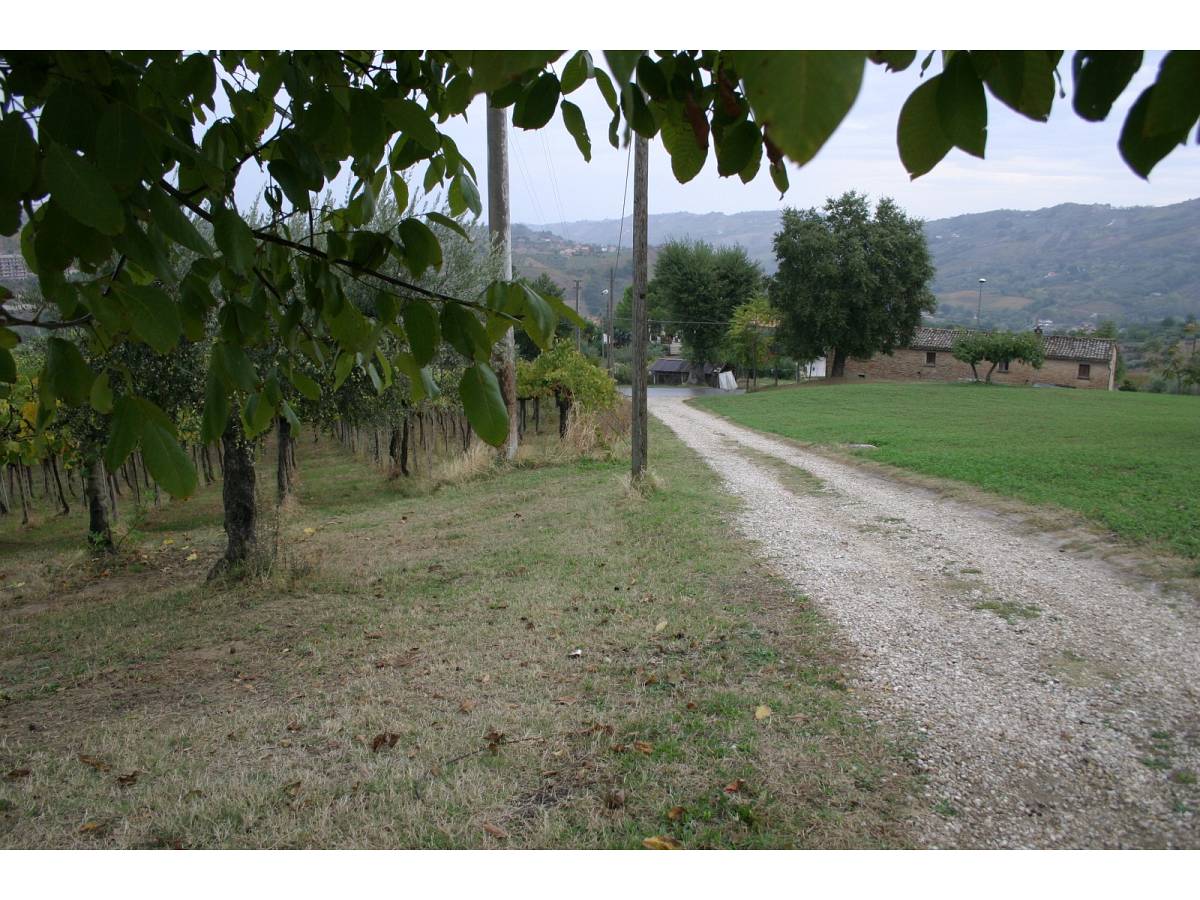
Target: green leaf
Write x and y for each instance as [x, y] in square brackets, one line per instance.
[124, 429]
[121, 149]
[484, 404]
[535, 107]
[893, 60]
[1021, 79]
[166, 461]
[424, 333]
[919, 133]
[143, 250]
[421, 247]
[801, 96]
[464, 195]
[577, 70]
[678, 136]
[1175, 103]
[101, 395]
[78, 187]
[341, 369]
[464, 332]
[66, 376]
[1142, 152]
[447, 222]
[737, 147]
[172, 222]
[411, 120]
[573, 119]
[305, 385]
[962, 106]
[419, 377]
[258, 414]
[622, 64]
[153, 315]
[292, 181]
[607, 91]
[18, 157]
[233, 367]
[492, 69]
[234, 239]
[400, 192]
[1100, 76]
[216, 409]
[8, 367]
[539, 319]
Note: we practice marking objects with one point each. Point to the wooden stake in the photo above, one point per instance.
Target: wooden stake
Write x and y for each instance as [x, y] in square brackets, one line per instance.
[500, 228]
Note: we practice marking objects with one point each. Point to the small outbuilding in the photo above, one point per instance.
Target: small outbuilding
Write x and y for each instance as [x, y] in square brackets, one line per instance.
[675, 370]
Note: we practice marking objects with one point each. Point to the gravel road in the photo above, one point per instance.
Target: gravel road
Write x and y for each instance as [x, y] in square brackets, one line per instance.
[1053, 701]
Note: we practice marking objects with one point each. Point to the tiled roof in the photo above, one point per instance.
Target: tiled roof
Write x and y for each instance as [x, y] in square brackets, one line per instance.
[1057, 346]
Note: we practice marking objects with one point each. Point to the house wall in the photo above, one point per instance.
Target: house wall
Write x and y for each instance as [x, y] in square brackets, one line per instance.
[909, 365]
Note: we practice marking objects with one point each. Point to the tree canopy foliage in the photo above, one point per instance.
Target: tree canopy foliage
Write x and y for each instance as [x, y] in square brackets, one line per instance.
[850, 283]
[998, 347]
[701, 286]
[119, 168]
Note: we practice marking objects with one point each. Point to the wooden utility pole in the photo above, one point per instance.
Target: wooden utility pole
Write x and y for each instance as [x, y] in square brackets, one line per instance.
[608, 349]
[504, 358]
[641, 153]
[578, 330]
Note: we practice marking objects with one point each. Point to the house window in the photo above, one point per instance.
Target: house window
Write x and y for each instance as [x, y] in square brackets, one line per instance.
[930, 358]
[1085, 371]
[1002, 365]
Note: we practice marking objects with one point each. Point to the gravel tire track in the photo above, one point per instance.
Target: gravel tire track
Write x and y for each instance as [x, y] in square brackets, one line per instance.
[1063, 713]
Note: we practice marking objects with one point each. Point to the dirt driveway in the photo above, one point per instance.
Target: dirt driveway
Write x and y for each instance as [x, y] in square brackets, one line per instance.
[1053, 700]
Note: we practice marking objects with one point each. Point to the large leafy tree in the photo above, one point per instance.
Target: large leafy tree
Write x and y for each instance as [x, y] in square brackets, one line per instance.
[109, 160]
[850, 283]
[701, 287]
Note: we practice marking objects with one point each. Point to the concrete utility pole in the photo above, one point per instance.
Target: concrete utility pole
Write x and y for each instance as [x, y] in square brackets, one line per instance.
[641, 154]
[578, 330]
[979, 307]
[504, 358]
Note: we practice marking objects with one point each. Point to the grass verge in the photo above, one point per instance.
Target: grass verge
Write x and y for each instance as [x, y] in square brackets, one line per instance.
[529, 658]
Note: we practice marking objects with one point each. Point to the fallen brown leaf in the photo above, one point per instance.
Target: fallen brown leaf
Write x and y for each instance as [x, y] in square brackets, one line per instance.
[615, 799]
[675, 813]
[660, 626]
[292, 789]
[98, 764]
[16, 775]
[762, 712]
[643, 747]
[129, 779]
[294, 726]
[93, 827]
[386, 739]
[662, 842]
[735, 787]
[691, 704]
[466, 706]
[495, 831]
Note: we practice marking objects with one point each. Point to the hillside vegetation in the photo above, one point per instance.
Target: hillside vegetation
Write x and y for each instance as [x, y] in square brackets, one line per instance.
[1119, 459]
[1065, 263]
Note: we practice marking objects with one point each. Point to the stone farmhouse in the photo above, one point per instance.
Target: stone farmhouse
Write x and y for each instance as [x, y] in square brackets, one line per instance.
[1080, 362]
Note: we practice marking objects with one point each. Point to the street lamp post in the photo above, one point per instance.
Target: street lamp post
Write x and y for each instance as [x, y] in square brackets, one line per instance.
[979, 307]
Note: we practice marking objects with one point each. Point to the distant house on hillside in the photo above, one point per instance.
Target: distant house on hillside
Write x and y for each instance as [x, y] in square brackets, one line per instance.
[1082, 362]
[674, 370]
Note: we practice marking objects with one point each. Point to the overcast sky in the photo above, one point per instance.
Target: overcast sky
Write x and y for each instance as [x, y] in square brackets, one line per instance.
[1029, 165]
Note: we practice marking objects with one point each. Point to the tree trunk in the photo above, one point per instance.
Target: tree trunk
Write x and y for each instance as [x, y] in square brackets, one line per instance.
[62, 496]
[564, 414]
[988, 379]
[839, 364]
[237, 493]
[99, 532]
[695, 373]
[23, 491]
[404, 437]
[4, 501]
[283, 471]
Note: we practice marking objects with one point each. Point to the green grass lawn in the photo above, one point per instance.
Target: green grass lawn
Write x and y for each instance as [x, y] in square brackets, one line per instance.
[532, 657]
[1124, 460]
